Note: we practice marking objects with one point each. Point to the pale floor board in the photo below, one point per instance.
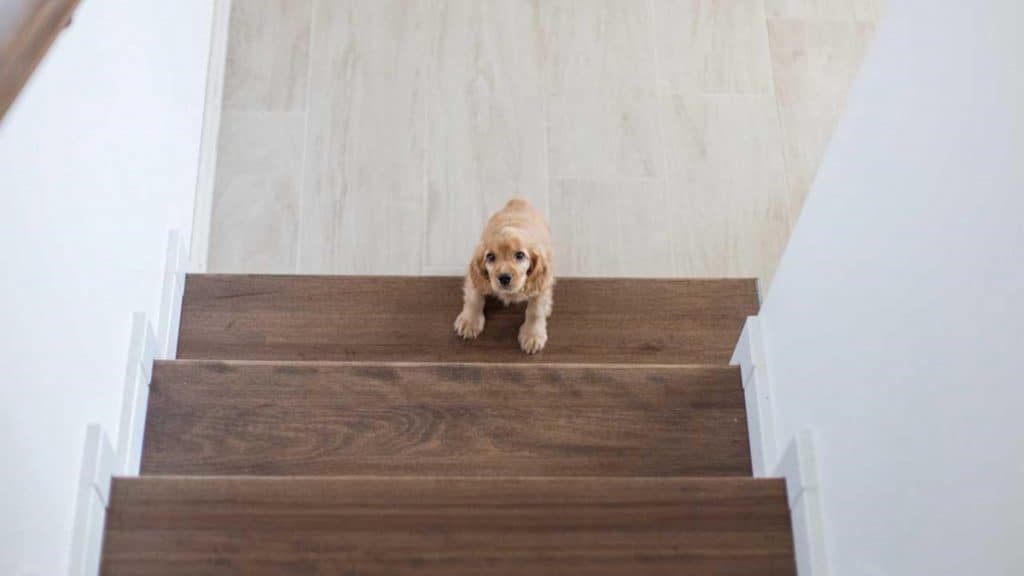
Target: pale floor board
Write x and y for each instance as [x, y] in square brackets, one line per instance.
[814, 63]
[838, 10]
[612, 228]
[602, 89]
[487, 134]
[268, 51]
[712, 46]
[731, 220]
[662, 137]
[363, 186]
[256, 207]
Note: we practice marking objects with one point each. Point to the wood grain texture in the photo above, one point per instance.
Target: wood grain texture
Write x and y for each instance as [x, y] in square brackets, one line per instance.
[410, 319]
[268, 55]
[614, 228]
[487, 129]
[710, 46]
[728, 222]
[825, 10]
[256, 208]
[601, 74]
[363, 195]
[814, 63]
[428, 526]
[30, 30]
[302, 419]
[425, 116]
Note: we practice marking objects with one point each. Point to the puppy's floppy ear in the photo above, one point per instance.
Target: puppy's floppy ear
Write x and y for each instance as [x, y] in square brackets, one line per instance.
[539, 277]
[478, 270]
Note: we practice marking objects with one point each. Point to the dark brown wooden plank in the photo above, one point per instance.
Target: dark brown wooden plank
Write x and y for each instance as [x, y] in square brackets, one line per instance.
[434, 526]
[239, 418]
[25, 38]
[242, 317]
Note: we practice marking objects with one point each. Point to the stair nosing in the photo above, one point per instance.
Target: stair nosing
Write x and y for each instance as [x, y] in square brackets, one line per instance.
[434, 363]
[424, 276]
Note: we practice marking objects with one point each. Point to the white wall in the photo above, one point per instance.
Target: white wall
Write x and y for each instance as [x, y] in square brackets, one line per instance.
[98, 161]
[894, 325]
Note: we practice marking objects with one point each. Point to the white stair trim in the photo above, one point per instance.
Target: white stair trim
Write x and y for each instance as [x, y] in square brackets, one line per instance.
[138, 372]
[757, 391]
[798, 464]
[175, 266]
[98, 463]
[101, 461]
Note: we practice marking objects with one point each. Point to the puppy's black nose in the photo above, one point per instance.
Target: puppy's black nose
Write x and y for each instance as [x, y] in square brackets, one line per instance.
[505, 279]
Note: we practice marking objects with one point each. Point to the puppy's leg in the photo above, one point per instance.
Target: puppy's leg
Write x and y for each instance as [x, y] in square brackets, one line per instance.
[533, 334]
[470, 322]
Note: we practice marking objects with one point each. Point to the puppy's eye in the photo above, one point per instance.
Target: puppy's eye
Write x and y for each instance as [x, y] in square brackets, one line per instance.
[490, 257]
[520, 255]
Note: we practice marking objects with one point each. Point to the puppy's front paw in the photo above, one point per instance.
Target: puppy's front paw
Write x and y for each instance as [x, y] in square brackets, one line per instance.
[532, 338]
[469, 325]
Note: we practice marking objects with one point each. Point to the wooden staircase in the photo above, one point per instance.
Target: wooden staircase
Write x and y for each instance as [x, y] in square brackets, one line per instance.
[337, 425]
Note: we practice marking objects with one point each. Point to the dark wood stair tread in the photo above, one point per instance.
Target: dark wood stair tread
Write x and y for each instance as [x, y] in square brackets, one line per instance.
[266, 317]
[433, 526]
[317, 419]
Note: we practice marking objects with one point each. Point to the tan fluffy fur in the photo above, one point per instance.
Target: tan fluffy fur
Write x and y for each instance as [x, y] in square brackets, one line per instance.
[517, 229]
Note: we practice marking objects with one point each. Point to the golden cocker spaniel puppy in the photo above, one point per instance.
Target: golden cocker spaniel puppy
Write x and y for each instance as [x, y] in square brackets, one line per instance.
[513, 264]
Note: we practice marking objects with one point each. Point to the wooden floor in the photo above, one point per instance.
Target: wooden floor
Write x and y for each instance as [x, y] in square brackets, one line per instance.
[661, 137]
[430, 526]
[410, 319]
[210, 418]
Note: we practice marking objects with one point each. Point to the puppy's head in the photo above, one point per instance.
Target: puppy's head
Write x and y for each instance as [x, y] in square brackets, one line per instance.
[505, 263]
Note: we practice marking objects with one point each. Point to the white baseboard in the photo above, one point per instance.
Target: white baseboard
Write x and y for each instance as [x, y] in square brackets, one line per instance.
[799, 466]
[138, 372]
[206, 180]
[102, 460]
[98, 464]
[175, 266]
[757, 391]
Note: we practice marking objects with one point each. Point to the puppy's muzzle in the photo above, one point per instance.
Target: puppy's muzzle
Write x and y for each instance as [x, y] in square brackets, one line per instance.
[505, 280]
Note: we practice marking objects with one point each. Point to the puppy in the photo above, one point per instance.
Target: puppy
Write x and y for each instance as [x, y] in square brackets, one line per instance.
[513, 264]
